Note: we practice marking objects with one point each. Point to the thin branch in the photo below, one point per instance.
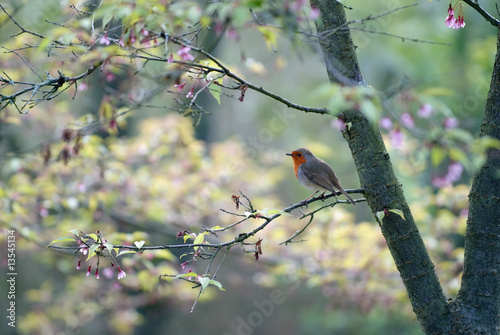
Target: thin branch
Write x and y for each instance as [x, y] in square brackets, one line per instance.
[241, 81]
[484, 13]
[298, 232]
[24, 60]
[363, 20]
[402, 38]
[24, 30]
[55, 83]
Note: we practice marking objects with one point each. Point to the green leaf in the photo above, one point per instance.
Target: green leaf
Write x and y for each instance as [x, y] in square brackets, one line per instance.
[41, 47]
[270, 36]
[458, 155]
[185, 275]
[122, 252]
[380, 216]
[139, 244]
[204, 281]
[109, 246]
[488, 142]
[107, 18]
[62, 239]
[199, 240]
[438, 91]
[398, 212]
[264, 212]
[74, 232]
[438, 154]
[165, 254]
[460, 135]
[370, 110]
[92, 250]
[218, 284]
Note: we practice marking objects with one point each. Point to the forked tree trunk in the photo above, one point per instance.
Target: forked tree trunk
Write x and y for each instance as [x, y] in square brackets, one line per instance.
[476, 309]
[478, 301]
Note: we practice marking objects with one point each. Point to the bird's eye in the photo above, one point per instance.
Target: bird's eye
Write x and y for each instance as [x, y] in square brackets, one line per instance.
[299, 154]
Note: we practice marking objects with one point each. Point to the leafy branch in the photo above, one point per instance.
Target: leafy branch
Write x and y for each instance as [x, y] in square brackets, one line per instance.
[95, 245]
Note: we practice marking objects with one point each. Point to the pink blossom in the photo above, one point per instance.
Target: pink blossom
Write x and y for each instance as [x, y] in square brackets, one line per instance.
[78, 266]
[219, 29]
[396, 138]
[108, 272]
[109, 76]
[185, 55]
[104, 39]
[83, 87]
[132, 37]
[83, 248]
[450, 123]
[450, 20]
[88, 270]
[407, 120]
[459, 23]
[385, 123]
[44, 212]
[180, 86]
[97, 273]
[454, 171]
[190, 93]
[339, 124]
[183, 265]
[453, 174]
[121, 273]
[425, 111]
[297, 5]
[314, 14]
[232, 34]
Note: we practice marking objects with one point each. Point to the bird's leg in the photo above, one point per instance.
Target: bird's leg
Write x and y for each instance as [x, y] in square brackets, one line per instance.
[322, 195]
[305, 200]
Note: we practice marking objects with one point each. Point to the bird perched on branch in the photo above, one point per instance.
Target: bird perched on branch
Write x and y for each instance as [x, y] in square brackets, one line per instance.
[315, 174]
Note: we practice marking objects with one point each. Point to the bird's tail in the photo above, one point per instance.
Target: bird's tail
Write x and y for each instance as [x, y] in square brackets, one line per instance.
[346, 195]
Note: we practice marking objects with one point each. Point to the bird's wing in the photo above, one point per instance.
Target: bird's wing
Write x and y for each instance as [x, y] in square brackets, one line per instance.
[320, 178]
[323, 180]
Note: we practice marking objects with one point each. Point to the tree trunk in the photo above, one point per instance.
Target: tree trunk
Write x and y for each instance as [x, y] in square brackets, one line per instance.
[478, 301]
[382, 189]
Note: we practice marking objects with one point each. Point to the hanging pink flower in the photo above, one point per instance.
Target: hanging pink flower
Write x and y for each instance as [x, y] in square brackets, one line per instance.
[452, 21]
[185, 55]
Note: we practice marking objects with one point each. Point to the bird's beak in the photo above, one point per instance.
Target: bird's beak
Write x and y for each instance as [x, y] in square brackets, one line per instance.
[289, 154]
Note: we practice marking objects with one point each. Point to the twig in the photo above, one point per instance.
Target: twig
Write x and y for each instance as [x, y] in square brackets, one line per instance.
[298, 232]
[25, 61]
[484, 13]
[402, 38]
[240, 80]
[363, 20]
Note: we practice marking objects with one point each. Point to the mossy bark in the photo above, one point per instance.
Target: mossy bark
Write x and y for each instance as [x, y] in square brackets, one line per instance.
[382, 188]
[478, 302]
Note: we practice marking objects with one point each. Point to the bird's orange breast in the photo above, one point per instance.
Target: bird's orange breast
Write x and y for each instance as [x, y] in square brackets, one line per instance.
[298, 160]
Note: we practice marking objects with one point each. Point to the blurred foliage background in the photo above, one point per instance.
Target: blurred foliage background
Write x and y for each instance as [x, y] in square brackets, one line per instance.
[149, 173]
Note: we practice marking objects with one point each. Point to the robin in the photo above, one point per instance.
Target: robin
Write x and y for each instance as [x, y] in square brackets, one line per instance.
[315, 173]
